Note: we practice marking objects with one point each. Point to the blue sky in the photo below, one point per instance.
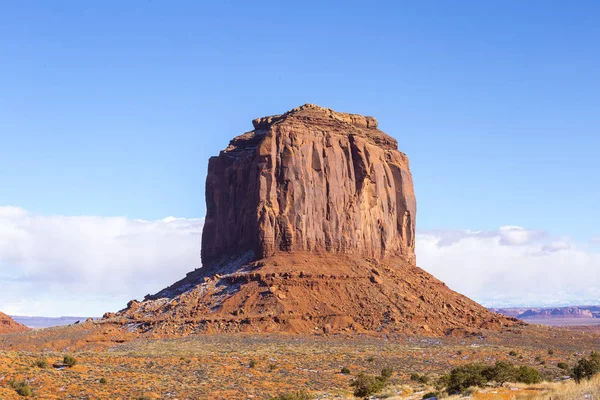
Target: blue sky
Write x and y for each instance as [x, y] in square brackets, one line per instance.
[113, 108]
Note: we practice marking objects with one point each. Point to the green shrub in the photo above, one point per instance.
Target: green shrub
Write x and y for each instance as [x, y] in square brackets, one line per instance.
[272, 367]
[293, 396]
[42, 363]
[69, 361]
[550, 352]
[586, 368]
[501, 373]
[512, 353]
[465, 376]
[442, 382]
[345, 370]
[103, 381]
[144, 397]
[419, 378]
[528, 375]
[22, 388]
[430, 395]
[252, 363]
[366, 385]
[386, 373]
[562, 365]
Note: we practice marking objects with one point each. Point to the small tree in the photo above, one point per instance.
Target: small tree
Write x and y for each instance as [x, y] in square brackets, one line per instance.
[528, 375]
[501, 372]
[465, 376]
[586, 368]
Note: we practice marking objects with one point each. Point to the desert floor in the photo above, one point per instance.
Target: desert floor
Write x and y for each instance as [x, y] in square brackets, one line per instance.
[115, 365]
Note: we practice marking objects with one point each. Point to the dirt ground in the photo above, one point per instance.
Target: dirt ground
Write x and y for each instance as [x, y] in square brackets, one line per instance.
[113, 365]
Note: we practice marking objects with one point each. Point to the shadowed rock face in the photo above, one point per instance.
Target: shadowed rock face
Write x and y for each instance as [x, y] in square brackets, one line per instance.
[311, 180]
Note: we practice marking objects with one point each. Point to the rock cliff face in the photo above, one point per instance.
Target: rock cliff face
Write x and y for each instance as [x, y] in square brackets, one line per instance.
[311, 180]
[310, 228]
[8, 325]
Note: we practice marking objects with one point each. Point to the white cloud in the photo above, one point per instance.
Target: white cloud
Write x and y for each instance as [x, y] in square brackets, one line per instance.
[518, 236]
[86, 265]
[512, 266]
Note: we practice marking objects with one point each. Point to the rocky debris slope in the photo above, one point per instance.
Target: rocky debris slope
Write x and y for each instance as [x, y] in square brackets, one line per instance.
[310, 227]
[304, 293]
[8, 325]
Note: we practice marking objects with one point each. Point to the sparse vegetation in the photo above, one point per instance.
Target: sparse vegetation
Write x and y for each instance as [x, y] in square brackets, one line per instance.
[345, 371]
[387, 373]
[69, 361]
[366, 385]
[252, 363]
[563, 366]
[419, 378]
[512, 353]
[22, 388]
[42, 363]
[218, 367]
[478, 375]
[302, 395]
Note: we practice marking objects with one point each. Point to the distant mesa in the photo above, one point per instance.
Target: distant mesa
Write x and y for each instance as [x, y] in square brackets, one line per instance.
[47, 322]
[8, 325]
[552, 313]
[310, 228]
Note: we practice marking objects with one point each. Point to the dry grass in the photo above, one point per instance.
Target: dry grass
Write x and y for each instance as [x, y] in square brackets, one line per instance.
[589, 390]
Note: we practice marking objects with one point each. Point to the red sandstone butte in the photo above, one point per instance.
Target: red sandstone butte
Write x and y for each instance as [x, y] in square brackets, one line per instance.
[310, 227]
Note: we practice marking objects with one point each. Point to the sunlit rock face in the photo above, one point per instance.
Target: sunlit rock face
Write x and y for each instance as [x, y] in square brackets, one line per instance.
[310, 180]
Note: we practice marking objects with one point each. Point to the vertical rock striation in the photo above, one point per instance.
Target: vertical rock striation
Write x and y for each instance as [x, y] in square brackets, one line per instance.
[310, 180]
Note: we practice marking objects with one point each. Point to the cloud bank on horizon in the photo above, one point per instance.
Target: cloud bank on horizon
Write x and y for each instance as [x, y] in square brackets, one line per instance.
[86, 265]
